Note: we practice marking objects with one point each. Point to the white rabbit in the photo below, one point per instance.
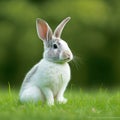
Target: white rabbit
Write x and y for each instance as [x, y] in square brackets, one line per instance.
[48, 79]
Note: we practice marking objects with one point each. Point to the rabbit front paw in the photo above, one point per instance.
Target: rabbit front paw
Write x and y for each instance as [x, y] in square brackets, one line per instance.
[50, 102]
[62, 100]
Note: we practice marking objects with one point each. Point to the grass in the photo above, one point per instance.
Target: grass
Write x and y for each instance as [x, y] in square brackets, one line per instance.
[97, 105]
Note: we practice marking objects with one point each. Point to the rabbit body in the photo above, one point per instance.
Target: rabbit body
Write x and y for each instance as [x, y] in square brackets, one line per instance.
[48, 79]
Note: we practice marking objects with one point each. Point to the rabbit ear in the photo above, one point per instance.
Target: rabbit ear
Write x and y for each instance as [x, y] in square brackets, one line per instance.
[58, 30]
[43, 30]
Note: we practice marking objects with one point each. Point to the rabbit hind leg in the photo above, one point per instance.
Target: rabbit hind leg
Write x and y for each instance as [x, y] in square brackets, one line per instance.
[31, 94]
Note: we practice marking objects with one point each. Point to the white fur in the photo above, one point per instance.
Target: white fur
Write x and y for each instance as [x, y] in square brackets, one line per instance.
[48, 82]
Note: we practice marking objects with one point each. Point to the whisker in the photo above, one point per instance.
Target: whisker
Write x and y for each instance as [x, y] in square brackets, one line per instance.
[75, 62]
[75, 65]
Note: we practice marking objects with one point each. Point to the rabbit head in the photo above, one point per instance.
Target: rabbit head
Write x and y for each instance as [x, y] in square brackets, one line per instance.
[55, 49]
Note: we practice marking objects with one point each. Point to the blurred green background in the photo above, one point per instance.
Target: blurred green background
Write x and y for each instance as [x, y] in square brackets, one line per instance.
[93, 34]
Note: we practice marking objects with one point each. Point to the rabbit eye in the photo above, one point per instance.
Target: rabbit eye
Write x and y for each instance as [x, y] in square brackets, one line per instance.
[55, 46]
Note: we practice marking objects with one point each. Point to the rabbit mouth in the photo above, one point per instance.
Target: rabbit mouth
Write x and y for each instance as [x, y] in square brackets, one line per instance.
[65, 60]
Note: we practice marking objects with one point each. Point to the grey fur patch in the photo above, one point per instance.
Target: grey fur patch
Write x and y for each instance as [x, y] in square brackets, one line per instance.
[49, 43]
[30, 74]
[28, 77]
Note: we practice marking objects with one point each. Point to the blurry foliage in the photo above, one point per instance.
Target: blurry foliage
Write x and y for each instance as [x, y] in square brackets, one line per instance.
[93, 34]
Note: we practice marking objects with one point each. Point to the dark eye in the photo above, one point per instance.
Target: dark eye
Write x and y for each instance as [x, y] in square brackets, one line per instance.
[55, 46]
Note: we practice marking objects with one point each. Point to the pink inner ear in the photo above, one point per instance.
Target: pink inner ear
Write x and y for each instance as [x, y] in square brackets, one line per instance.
[42, 30]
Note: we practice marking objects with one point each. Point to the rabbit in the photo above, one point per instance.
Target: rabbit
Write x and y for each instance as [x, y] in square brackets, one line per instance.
[48, 79]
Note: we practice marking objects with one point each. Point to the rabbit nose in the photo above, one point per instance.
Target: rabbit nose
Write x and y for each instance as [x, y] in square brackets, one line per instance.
[66, 54]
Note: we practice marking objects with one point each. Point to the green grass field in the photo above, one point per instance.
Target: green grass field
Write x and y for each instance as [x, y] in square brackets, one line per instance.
[82, 105]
